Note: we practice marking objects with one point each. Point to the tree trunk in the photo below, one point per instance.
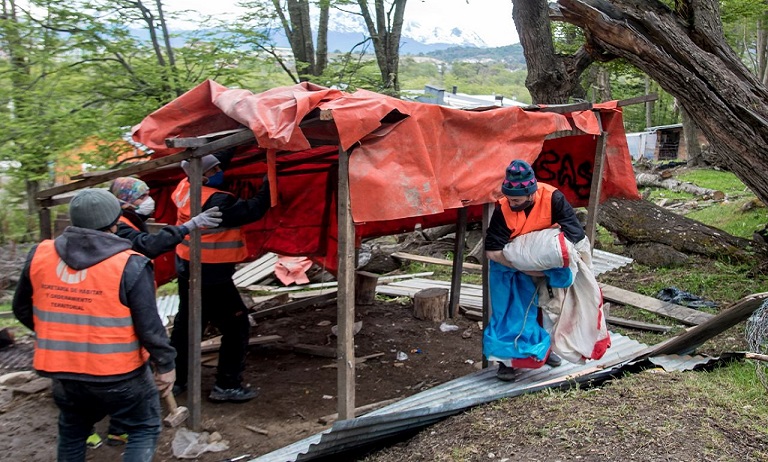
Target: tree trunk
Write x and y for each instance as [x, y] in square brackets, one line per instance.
[692, 145]
[639, 221]
[552, 78]
[385, 29]
[685, 51]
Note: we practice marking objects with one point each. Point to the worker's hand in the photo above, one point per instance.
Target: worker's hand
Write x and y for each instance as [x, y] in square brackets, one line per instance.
[210, 218]
[164, 382]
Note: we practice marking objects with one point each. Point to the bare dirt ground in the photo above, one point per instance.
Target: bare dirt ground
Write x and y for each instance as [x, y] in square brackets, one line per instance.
[643, 417]
[295, 389]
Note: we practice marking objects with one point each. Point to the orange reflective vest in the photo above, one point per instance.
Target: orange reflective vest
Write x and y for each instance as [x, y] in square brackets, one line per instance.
[539, 218]
[80, 323]
[219, 245]
[125, 220]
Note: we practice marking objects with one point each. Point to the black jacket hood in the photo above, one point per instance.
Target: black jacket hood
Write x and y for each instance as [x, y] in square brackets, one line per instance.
[82, 248]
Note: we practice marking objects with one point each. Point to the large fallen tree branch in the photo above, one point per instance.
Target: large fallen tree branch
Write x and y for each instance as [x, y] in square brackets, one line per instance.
[640, 221]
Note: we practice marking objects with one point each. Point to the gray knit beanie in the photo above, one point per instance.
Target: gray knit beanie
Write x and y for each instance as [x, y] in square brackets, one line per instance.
[208, 162]
[94, 209]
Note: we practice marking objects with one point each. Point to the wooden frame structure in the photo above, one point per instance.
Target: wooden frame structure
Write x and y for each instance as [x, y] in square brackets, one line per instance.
[197, 147]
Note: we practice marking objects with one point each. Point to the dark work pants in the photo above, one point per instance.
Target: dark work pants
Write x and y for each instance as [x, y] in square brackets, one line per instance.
[134, 404]
[222, 307]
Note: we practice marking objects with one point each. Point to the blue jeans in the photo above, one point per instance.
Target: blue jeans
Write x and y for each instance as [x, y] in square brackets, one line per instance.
[134, 404]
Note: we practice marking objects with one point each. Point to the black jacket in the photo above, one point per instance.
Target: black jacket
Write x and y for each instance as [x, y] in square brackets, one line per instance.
[150, 244]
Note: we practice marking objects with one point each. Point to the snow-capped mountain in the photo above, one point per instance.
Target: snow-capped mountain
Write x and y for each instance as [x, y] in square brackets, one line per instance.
[345, 30]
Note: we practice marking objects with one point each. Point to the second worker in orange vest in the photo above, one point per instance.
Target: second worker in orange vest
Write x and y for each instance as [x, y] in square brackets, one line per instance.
[222, 248]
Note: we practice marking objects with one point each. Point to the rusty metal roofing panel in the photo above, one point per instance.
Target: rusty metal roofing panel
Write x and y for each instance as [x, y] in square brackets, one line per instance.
[450, 398]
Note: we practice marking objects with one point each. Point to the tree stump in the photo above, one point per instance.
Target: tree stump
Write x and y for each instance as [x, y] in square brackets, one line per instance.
[365, 287]
[430, 304]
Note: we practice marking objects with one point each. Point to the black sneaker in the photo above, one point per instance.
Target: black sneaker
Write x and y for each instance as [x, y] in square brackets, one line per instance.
[553, 360]
[505, 373]
[178, 389]
[233, 395]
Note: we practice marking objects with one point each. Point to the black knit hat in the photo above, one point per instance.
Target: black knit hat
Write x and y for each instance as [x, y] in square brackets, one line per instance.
[519, 179]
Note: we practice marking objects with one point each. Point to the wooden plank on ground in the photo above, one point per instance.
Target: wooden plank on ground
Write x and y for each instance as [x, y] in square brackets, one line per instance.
[213, 344]
[683, 314]
[359, 410]
[632, 324]
[358, 360]
[292, 306]
[255, 271]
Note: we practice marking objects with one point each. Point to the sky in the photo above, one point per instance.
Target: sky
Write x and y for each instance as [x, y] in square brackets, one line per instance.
[490, 19]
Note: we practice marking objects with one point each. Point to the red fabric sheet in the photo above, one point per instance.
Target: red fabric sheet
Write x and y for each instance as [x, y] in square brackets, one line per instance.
[410, 162]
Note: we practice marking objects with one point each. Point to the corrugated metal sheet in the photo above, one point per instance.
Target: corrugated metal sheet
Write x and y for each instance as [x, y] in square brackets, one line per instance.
[435, 404]
[603, 261]
[167, 307]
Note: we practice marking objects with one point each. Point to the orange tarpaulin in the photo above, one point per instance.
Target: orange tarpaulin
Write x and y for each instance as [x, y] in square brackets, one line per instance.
[410, 162]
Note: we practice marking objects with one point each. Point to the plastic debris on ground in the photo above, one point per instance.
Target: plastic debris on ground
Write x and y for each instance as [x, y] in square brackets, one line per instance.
[680, 297]
[190, 445]
[445, 327]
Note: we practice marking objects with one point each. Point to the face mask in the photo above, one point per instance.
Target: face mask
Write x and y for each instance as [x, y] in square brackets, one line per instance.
[215, 180]
[146, 207]
[521, 207]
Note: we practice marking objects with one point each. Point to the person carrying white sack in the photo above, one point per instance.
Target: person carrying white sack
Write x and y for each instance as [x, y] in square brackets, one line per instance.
[515, 336]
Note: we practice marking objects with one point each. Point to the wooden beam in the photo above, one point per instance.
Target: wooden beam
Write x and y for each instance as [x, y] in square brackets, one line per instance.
[632, 324]
[434, 261]
[683, 314]
[293, 306]
[45, 223]
[202, 140]
[214, 146]
[560, 108]
[487, 213]
[597, 182]
[213, 344]
[688, 341]
[458, 261]
[638, 100]
[359, 411]
[346, 296]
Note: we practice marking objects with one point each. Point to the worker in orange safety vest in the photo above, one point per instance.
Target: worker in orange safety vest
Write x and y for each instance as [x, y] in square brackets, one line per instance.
[222, 248]
[91, 302]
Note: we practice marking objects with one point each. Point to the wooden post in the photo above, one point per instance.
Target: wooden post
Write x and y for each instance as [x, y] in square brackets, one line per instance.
[365, 287]
[194, 402]
[45, 223]
[487, 213]
[429, 304]
[458, 261]
[597, 182]
[346, 295]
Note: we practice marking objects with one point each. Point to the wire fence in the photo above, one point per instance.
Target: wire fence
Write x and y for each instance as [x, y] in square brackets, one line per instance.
[757, 338]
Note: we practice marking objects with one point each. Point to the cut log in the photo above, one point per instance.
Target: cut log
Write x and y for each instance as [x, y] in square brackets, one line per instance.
[636, 221]
[365, 287]
[430, 304]
[650, 179]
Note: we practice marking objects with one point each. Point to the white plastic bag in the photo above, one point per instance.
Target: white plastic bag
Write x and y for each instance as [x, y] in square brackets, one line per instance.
[187, 444]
